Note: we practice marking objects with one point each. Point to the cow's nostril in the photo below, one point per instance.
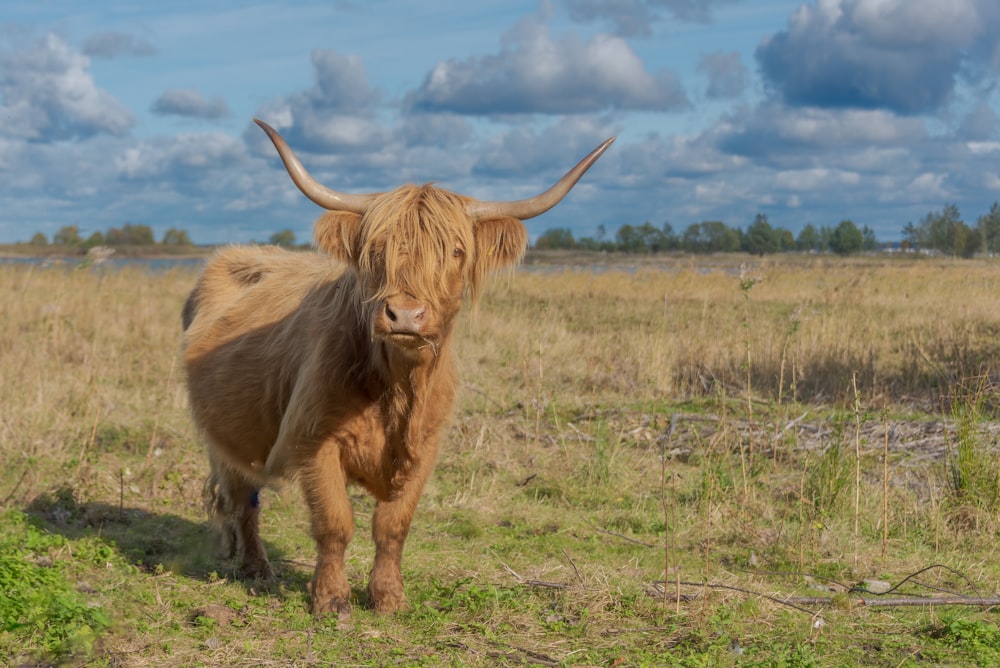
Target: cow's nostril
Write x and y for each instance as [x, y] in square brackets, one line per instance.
[405, 320]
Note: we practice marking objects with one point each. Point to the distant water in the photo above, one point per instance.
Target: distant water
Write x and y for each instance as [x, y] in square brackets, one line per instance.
[152, 264]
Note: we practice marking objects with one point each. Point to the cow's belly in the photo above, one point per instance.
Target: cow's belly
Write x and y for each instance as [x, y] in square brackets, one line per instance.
[237, 419]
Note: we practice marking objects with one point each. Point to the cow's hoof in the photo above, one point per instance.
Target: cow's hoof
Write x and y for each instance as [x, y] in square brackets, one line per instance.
[257, 570]
[340, 607]
[387, 601]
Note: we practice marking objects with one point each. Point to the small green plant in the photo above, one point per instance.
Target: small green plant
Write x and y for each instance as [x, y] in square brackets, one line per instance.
[39, 607]
[973, 472]
[830, 476]
[977, 640]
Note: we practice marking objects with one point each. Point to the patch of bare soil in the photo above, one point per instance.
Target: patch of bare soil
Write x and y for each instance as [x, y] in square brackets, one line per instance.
[910, 443]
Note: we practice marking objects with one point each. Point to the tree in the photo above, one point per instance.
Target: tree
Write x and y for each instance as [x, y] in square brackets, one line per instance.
[670, 240]
[653, 239]
[955, 230]
[175, 237]
[761, 237]
[68, 235]
[972, 242]
[846, 238]
[825, 234]
[914, 236]
[129, 235]
[556, 237]
[95, 239]
[786, 240]
[947, 232]
[943, 231]
[870, 243]
[808, 239]
[629, 239]
[38, 239]
[988, 226]
[710, 236]
[285, 238]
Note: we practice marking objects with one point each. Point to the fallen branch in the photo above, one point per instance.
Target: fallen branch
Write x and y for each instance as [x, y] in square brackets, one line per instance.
[622, 536]
[543, 583]
[534, 583]
[800, 602]
[899, 601]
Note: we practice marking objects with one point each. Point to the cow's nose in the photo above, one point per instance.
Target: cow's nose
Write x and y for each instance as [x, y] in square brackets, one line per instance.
[408, 320]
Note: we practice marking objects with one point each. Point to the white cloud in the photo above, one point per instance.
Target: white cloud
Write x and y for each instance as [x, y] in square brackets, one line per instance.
[111, 44]
[980, 147]
[929, 186]
[181, 159]
[190, 103]
[49, 94]
[536, 73]
[815, 178]
[901, 55]
[636, 17]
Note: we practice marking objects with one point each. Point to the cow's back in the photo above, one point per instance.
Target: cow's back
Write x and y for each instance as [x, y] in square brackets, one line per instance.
[243, 344]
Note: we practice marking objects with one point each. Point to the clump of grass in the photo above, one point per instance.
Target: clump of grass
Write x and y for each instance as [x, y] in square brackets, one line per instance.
[973, 470]
[829, 476]
[975, 639]
[41, 612]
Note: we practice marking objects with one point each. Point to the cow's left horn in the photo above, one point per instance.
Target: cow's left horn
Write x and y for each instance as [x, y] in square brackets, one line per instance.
[310, 187]
[539, 204]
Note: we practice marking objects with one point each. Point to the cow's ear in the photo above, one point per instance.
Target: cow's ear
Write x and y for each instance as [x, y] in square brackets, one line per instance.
[337, 233]
[500, 242]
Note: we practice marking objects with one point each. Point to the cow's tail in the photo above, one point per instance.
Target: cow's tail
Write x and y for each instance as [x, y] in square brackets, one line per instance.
[190, 309]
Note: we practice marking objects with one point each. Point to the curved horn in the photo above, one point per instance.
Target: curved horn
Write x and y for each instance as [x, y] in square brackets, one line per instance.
[539, 204]
[310, 187]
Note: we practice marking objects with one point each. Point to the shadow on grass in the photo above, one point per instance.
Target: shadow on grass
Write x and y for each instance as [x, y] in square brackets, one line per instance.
[154, 542]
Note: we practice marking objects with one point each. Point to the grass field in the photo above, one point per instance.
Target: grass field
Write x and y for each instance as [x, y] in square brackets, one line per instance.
[690, 462]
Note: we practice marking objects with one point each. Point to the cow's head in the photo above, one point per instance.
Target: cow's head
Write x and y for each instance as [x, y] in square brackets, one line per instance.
[417, 249]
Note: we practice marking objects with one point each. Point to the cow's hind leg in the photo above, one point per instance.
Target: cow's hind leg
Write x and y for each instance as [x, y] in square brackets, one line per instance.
[325, 489]
[233, 502]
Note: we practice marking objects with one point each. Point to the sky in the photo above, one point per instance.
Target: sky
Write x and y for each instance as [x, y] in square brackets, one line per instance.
[877, 111]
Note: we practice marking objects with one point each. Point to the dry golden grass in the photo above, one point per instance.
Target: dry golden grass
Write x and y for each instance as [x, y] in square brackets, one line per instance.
[88, 361]
[909, 329]
[609, 433]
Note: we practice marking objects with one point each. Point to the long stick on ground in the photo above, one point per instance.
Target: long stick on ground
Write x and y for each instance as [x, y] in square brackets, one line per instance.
[895, 602]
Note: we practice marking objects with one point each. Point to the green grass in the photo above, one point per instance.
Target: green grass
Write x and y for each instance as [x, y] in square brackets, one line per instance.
[40, 608]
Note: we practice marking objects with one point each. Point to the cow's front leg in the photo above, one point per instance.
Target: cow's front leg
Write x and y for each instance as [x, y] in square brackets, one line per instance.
[332, 526]
[390, 526]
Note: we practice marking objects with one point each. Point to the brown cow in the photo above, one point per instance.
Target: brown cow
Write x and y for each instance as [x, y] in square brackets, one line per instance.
[337, 368]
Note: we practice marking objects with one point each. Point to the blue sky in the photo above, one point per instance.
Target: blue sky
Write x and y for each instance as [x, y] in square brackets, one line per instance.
[810, 112]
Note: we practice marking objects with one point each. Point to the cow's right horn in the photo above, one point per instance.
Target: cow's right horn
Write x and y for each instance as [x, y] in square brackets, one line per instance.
[539, 204]
[310, 187]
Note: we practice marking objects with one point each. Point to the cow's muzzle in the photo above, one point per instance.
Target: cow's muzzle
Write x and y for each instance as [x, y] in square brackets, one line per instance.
[405, 320]
[405, 325]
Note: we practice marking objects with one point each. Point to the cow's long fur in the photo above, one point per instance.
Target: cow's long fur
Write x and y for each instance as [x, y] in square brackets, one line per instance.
[294, 371]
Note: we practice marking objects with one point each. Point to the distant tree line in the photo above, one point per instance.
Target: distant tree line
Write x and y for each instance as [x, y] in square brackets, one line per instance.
[945, 232]
[714, 236]
[128, 234]
[134, 235]
[939, 231]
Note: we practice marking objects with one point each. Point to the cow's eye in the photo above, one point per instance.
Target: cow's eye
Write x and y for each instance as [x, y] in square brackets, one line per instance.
[458, 252]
